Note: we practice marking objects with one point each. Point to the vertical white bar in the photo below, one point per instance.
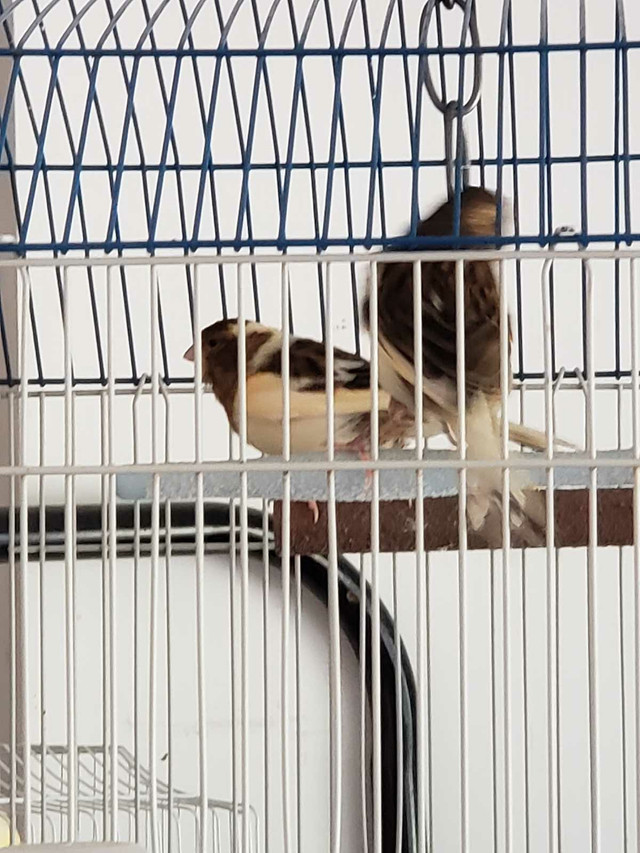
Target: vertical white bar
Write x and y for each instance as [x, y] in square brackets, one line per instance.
[621, 651]
[422, 639]
[554, 653]
[168, 622]
[200, 619]
[25, 717]
[136, 631]
[242, 365]
[113, 616]
[552, 697]
[635, 401]
[14, 710]
[551, 638]
[505, 379]
[266, 656]
[9, 580]
[44, 693]
[10, 295]
[376, 684]
[155, 562]
[104, 591]
[462, 547]
[197, 364]
[494, 704]
[69, 560]
[335, 698]
[591, 573]
[364, 705]
[429, 703]
[244, 562]
[233, 565]
[298, 703]
[397, 640]
[525, 699]
[286, 558]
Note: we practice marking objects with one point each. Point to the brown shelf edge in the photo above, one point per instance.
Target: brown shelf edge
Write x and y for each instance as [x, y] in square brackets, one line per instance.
[397, 524]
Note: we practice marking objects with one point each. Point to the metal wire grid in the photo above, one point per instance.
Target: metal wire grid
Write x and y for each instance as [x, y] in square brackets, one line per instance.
[22, 470]
[177, 813]
[45, 341]
[152, 423]
[105, 795]
[56, 33]
[102, 151]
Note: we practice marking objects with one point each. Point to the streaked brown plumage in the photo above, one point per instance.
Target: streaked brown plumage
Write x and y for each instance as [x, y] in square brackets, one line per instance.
[439, 362]
[307, 372]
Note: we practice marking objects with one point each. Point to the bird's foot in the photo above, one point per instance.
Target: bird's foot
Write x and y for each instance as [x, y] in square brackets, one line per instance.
[364, 456]
[361, 447]
[313, 506]
[398, 410]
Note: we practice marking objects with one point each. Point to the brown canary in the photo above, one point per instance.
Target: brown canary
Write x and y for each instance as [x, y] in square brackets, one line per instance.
[478, 216]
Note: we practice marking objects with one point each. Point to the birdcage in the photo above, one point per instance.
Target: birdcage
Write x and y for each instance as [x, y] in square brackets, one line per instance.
[189, 659]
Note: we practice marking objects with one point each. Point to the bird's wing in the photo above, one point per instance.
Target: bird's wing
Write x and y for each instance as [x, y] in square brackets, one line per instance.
[439, 351]
[478, 217]
[308, 378]
[265, 398]
[308, 366]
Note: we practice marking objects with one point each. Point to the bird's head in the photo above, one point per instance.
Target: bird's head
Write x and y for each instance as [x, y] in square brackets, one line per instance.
[219, 343]
[479, 212]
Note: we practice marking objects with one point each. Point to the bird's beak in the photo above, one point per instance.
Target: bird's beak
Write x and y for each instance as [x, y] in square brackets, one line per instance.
[189, 354]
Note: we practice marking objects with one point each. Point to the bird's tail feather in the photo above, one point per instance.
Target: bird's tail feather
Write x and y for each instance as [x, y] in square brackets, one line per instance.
[527, 505]
[534, 438]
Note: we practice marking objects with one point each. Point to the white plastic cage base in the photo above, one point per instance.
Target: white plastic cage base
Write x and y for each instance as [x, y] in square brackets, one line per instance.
[178, 823]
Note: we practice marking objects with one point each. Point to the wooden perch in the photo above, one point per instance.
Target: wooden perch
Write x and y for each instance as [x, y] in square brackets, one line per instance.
[397, 523]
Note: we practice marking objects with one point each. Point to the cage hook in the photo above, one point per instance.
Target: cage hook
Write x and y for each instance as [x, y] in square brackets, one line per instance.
[136, 400]
[450, 114]
[558, 381]
[424, 70]
[452, 109]
[583, 383]
[164, 391]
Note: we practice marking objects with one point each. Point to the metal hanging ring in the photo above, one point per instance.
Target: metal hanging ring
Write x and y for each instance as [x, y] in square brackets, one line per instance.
[451, 113]
[424, 72]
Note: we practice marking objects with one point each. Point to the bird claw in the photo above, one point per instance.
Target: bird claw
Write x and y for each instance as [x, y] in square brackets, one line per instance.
[360, 447]
[364, 456]
[368, 479]
[313, 506]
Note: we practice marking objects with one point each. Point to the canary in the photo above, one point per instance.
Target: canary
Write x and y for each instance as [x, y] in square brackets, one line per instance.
[352, 395]
[478, 217]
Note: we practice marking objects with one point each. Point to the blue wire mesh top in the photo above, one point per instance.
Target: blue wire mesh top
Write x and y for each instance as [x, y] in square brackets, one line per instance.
[200, 125]
[194, 124]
